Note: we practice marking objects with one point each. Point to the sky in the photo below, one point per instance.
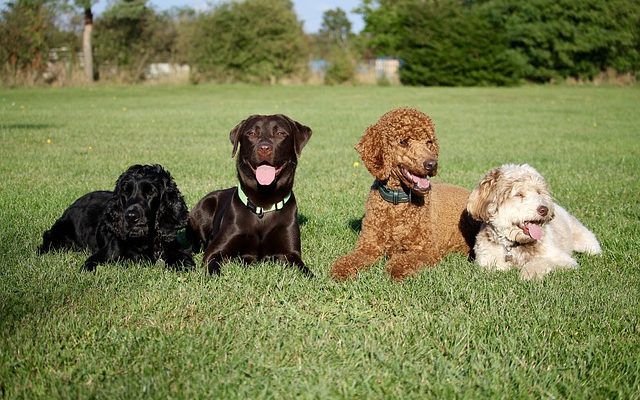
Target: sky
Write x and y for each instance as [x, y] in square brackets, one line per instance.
[309, 11]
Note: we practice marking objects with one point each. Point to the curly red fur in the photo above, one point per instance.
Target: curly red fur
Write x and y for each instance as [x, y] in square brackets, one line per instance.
[411, 235]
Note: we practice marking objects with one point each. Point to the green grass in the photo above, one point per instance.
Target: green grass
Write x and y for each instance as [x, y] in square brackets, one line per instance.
[133, 331]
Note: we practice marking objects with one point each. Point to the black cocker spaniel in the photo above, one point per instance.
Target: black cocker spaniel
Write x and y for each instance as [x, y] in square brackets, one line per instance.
[139, 221]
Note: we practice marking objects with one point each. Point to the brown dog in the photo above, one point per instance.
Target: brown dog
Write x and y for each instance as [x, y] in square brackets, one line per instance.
[258, 218]
[407, 218]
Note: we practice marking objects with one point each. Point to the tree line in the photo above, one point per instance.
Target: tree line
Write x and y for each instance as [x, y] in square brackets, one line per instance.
[439, 42]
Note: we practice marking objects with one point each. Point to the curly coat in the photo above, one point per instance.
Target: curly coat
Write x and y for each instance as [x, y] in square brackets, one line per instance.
[401, 151]
[139, 220]
[522, 227]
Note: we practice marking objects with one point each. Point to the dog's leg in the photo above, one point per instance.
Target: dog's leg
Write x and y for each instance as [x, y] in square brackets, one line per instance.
[364, 255]
[213, 263]
[177, 257]
[296, 261]
[490, 255]
[92, 262]
[577, 236]
[584, 241]
[58, 237]
[401, 265]
[109, 252]
[540, 266]
[218, 251]
[47, 243]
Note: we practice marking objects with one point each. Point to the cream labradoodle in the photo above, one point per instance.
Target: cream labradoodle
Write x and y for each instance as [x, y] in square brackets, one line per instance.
[522, 226]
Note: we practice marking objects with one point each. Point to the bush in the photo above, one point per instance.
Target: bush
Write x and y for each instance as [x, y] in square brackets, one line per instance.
[501, 42]
[27, 33]
[572, 38]
[341, 67]
[450, 45]
[251, 41]
[131, 35]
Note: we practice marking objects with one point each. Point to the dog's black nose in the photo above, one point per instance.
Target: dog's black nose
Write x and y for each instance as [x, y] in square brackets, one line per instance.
[430, 165]
[131, 216]
[543, 210]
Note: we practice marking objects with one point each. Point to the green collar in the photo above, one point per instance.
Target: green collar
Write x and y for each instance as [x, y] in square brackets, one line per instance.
[259, 211]
[181, 237]
[390, 195]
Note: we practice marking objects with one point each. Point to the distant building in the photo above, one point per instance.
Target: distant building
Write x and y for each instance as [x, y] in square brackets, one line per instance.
[375, 71]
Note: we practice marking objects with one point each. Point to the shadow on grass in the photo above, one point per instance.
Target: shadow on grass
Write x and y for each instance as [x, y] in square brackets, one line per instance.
[356, 225]
[17, 127]
[25, 298]
[302, 219]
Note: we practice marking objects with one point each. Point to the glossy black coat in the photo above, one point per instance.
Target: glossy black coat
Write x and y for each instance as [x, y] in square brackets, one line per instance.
[139, 220]
[222, 225]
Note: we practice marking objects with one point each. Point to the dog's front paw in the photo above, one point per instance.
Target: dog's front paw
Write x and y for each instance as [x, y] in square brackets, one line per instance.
[528, 273]
[537, 269]
[593, 249]
[399, 271]
[89, 266]
[186, 264]
[343, 270]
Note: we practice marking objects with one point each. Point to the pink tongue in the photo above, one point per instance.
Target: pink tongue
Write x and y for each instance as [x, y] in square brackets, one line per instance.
[535, 231]
[265, 174]
[422, 183]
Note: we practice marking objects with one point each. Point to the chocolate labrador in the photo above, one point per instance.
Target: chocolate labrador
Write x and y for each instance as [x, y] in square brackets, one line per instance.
[257, 219]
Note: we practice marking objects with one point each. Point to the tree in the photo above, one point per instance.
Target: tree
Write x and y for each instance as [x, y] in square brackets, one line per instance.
[449, 43]
[480, 42]
[384, 25]
[334, 41]
[571, 38]
[252, 40]
[336, 27]
[130, 35]
[26, 30]
[87, 49]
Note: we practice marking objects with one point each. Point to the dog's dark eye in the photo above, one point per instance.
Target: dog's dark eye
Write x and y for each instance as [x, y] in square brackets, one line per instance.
[250, 133]
[281, 133]
[520, 195]
[127, 189]
[403, 142]
[429, 142]
[147, 189]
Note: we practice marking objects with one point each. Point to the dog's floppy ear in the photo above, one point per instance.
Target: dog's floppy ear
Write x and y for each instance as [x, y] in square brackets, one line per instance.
[301, 134]
[113, 217]
[172, 211]
[234, 135]
[371, 149]
[482, 203]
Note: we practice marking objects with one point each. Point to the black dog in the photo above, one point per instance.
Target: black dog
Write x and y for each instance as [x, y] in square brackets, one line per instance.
[257, 219]
[138, 221]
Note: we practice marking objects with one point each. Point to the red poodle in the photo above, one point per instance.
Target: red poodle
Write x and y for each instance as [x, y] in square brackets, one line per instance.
[408, 219]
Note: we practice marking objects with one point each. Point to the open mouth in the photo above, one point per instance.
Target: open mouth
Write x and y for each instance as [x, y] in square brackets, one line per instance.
[533, 229]
[266, 174]
[417, 183]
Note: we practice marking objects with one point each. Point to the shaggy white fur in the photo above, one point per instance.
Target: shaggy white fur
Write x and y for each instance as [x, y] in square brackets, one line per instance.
[522, 226]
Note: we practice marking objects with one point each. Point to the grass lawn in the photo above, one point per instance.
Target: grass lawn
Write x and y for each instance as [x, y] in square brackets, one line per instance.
[132, 331]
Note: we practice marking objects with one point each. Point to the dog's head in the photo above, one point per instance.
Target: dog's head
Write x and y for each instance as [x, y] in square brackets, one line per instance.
[401, 149]
[147, 201]
[515, 201]
[268, 148]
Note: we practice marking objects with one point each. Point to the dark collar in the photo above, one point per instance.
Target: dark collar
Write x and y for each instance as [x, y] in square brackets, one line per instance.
[390, 195]
[259, 211]
[507, 245]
